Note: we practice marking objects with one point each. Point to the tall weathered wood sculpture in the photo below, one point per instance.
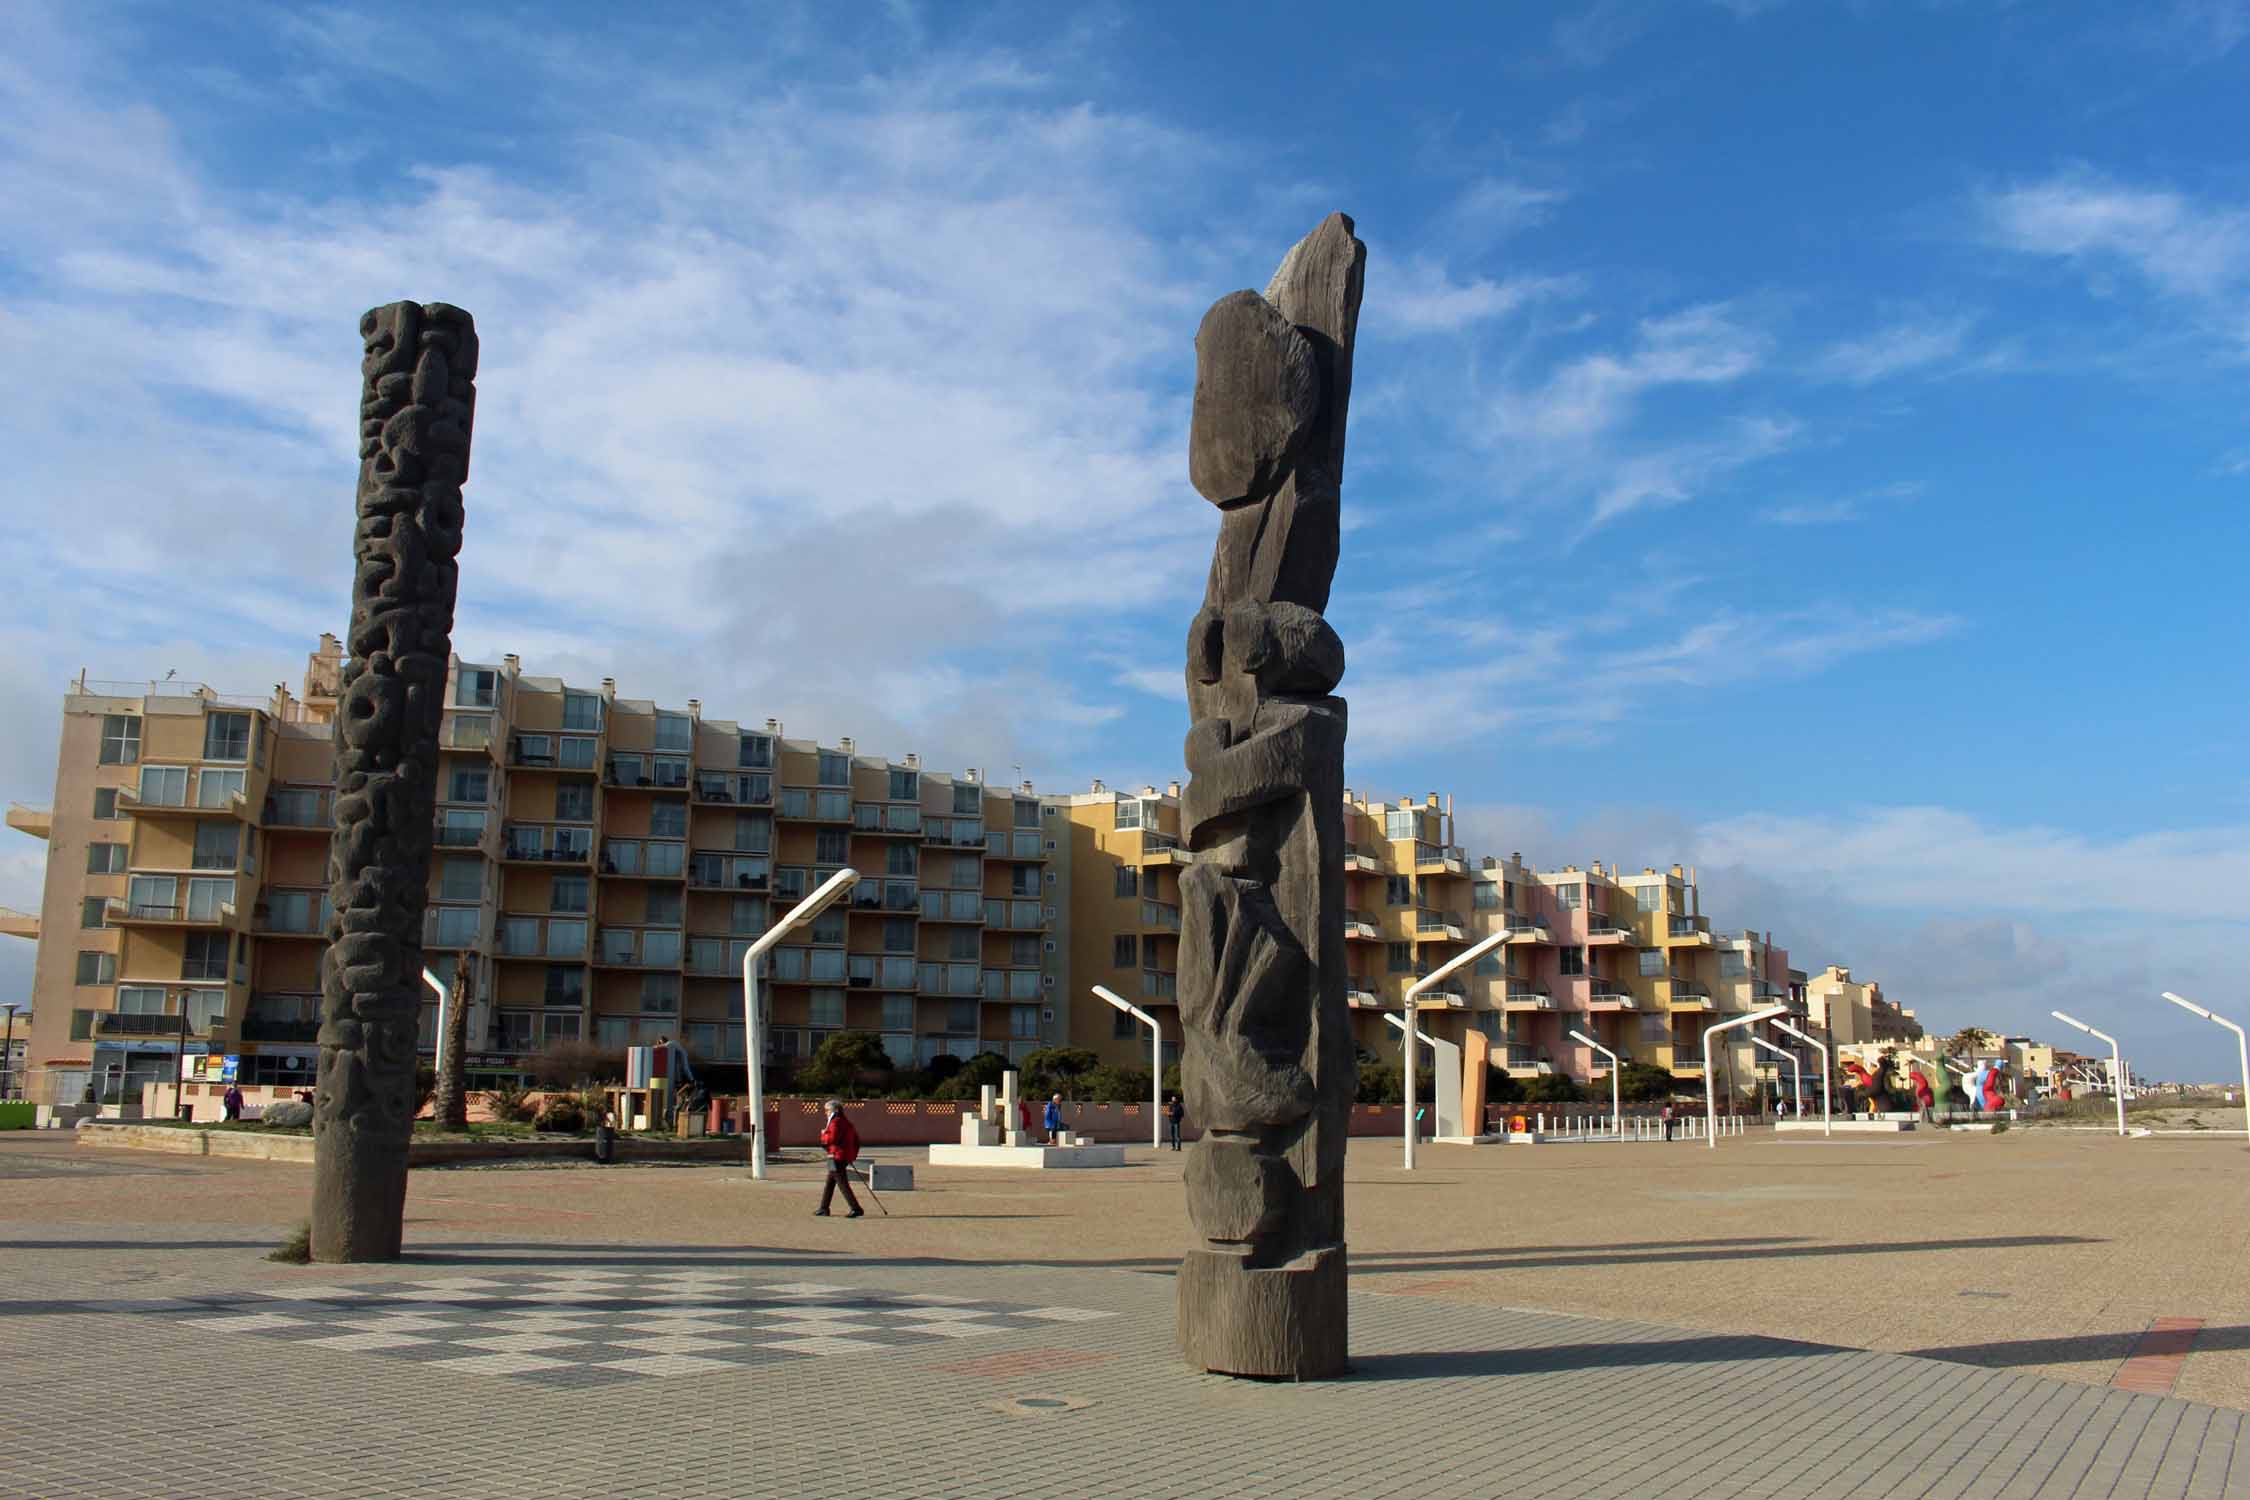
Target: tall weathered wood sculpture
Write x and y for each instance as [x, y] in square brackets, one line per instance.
[417, 401]
[1268, 1064]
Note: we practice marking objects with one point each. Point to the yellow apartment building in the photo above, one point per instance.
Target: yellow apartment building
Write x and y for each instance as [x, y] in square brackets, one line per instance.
[600, 867]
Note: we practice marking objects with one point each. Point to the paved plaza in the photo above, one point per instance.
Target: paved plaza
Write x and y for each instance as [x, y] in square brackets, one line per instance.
[1618, 1320]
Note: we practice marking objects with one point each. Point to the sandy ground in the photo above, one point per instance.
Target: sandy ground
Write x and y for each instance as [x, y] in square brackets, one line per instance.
[2046, 1251]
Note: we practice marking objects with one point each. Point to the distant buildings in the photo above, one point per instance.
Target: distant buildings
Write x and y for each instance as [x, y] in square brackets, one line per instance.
[603, 862]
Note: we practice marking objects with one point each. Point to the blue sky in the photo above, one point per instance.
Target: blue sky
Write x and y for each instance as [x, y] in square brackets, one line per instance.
[1802, 440]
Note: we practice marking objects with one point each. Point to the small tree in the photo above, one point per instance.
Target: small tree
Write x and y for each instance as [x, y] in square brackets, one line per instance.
[451, 1086]
[1107, 1085]
[1501, 1086]
[1381, 1083]
[573, 1064]
[848, 1062]
[1552, 1088]
[1057, 1070]
[1644, 1083]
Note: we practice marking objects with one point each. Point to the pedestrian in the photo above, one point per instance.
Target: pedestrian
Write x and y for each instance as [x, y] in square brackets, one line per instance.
[1023, 1115]
[1174, 1112]
[1667, 1119]
[841, 1141]
[605, 1138]
[231, 1102]
[1054, 1120]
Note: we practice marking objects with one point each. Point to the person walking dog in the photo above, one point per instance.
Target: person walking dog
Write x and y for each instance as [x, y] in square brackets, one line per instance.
[840, 1139]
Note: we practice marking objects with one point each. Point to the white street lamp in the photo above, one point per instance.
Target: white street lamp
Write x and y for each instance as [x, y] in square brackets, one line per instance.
[754, 1045]
[1827, 1111]
[1156, 1059]
[1710, 1088]
[1794, 1061]
[1616, 1110]
[444, 1004]
[1414, 994]
[2116, 1084]
[2241, 1044]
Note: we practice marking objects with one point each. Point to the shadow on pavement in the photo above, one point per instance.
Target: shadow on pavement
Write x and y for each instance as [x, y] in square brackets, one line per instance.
[2074, 1347]
[1620, 1354]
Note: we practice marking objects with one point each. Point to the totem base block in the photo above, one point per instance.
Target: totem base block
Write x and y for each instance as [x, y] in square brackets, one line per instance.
[1284, 1323]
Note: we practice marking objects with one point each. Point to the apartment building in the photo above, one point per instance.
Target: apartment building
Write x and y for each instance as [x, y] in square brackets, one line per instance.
[601, 866]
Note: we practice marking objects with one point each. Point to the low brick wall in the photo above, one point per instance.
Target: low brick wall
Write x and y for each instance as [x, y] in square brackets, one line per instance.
[261, 1146]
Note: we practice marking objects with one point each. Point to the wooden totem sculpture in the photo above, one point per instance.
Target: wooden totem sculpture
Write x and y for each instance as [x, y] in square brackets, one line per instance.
[417, 401]
[1268, 1063]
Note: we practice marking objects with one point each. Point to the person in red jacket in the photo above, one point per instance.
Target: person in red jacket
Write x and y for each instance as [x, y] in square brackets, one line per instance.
[841, 1141]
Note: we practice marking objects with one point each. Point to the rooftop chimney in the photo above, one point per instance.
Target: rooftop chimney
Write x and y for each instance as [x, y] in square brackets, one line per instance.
[1432, 800]
[1025, 788]
[1172, 789]
[845, 744]
[1097, 783]
[1678, 873]
[1148, 791]
[913, 761]
[609, 687]
[695, 708]
[513, 663]
[971, 774]
[773, 727]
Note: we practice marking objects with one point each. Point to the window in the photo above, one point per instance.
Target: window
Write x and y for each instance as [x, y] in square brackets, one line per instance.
[824, 965]
[828, 927]
[968, 872]
[456, 926]
[566, 893]
[205, 956]
[566, 937]
[226, 736]
[470, 785]
[1027, 815]
[660, 993]
[1652, 962]
[789, 882]
[625, 770]
[574, 801]
[216, 845]
[1401, 823]
[105, 859]
[898, 1012]
[1573, 959]
[900, 859]
[663, 906]
[582, 711]
[961, 1016]
[1398, 890]
[1023, 880]
[94, 912]
[753, 832]
[755, 752]
[1570, 897]
[668, 820]
[827, 1008]
[1125, 950]
[476, 687]
[906, 786]
[105, 802]
[461, 879]
[1649, 897]
[1023, 952]
[153, 896]
[140, 1000]
[831, 846]
[295, 807]
[96, 968]
[164, 786]
[796, 802]
[834, 768]
[1485, 895]
[1401, 958]
[566, 984]
[573, 752]
[1489, 966]
[674, 732]
[748, 915]
[121, 740]
[290, 911]
[1734, 964]
[1128, 882]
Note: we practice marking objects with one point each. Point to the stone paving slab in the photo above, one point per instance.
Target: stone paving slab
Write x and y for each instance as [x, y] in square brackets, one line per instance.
[117, 1391]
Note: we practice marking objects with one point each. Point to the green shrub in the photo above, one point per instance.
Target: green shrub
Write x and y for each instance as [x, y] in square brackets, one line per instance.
[848, 1063]
[564, 1115]
[1057, 1070]
[510, 1102]
[295, 1250]
[1553, 1088]
[1644, 1083]
[1501, 1086]
[1381, 1083]
[1107, 1085]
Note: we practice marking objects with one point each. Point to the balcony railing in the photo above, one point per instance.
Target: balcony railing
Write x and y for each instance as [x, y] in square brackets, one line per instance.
[1440, 857]
[1160, 916]
[1159, 984]
[85, 1025]
[1439, 924]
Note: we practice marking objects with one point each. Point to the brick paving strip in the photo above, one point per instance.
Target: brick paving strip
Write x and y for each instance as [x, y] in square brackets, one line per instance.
[2153, 1367]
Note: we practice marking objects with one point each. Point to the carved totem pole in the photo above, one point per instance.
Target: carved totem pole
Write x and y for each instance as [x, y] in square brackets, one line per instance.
[417, 400]
[1268, 1063]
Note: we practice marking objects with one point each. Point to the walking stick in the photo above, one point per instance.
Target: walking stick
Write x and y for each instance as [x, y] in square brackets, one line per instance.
[868, 1176]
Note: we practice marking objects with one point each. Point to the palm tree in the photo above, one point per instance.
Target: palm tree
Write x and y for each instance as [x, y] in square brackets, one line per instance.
[1969, 1041]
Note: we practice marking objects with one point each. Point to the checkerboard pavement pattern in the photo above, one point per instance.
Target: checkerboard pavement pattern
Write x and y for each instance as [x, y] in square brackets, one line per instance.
[575, 1329]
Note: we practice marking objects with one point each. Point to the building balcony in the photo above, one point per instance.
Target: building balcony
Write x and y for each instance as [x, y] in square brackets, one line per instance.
[1159, 916]
[1018, 844]
[119, 912]
[1360, 929]
[1522, 996]
[1600, 932]
[953, 906]
[1683, 994]
[727, 790]
[471, 731]
[1525, 929]
[1440, 859]
[1360, 999]
[461, 838]
[1439, 927]
[1159, 984]
[95, 1025]
[219, 805]
[1159, 848]
[21, 924]
[1013, 916]
[1688, 932]
[39, 822]
[1607, 994]
[1357, 862]
[887, 820]
[1448, 993]
[635, 859]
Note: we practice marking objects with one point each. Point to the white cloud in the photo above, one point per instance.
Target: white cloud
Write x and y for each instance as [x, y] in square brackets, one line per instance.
[1588, 398]
[2181, 247]
[1420, 296]
[1896, 350]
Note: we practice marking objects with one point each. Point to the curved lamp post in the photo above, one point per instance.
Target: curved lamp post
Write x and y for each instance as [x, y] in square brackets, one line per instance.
[1616, 1110]
[2241, 1045]
[1413, 994]
[1156, 1059]
[1827, 1091]
[444, 1007]
[1711, 1088]
[1794, 1061]
[2116, 1068]
[754, 1051]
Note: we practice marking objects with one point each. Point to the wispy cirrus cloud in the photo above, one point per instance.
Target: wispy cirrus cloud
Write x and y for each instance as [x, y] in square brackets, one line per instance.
[1898, 349]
